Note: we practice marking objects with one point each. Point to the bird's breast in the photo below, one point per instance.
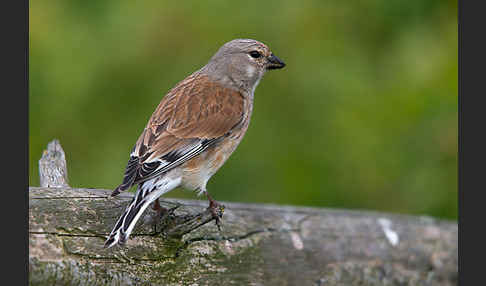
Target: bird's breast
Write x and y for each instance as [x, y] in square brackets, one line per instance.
[198, 170]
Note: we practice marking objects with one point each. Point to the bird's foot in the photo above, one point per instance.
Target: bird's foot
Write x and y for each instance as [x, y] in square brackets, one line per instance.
[161, 213]
[216, 210]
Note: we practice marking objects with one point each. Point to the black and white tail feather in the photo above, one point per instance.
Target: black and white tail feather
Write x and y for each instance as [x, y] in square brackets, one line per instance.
[147, 192]
[152, 183]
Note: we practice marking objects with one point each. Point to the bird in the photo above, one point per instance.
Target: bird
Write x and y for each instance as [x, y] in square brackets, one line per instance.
[194, 129]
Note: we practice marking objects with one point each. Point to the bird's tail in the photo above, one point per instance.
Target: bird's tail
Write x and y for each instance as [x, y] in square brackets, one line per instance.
[146, 193]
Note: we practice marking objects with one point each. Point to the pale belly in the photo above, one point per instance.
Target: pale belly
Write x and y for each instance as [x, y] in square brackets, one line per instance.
[197, 171]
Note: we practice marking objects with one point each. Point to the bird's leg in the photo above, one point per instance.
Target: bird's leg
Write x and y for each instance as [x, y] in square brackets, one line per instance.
[213, 208]
[159, 211]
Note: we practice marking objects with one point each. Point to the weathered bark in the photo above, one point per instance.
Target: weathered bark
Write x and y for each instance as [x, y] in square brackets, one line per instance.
[52, 166]
[258, 244]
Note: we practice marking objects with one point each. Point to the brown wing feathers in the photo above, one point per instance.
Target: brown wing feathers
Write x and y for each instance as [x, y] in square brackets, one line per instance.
[189, 119]
[214, 112]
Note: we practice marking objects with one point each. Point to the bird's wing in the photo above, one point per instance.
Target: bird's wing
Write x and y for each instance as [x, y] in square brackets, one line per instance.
[195, 114]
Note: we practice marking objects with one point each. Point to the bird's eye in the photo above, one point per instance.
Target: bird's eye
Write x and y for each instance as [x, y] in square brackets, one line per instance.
[255, 54]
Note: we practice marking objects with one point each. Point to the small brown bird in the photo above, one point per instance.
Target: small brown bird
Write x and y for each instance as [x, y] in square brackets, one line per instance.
[194, 129]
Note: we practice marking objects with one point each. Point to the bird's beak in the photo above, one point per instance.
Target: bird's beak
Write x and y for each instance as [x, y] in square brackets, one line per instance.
[274, 62]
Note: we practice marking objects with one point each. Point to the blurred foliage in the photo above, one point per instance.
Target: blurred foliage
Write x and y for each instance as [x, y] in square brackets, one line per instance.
[364, 116]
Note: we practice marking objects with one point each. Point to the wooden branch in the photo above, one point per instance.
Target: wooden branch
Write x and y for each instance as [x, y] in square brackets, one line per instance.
[52, 166]
[259, 244]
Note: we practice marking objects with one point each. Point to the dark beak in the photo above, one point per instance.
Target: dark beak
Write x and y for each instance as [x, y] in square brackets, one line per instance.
[274, 63]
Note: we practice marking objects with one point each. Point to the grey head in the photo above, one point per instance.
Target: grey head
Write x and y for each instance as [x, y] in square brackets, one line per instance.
[241, 63]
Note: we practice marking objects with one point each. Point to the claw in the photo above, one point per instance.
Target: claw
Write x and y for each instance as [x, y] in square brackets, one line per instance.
[214, 207]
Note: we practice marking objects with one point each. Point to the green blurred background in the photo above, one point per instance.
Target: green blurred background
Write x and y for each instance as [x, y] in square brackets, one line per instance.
[364, 116]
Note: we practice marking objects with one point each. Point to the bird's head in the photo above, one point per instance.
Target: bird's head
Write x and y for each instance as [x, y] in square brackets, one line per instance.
[243, 62]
